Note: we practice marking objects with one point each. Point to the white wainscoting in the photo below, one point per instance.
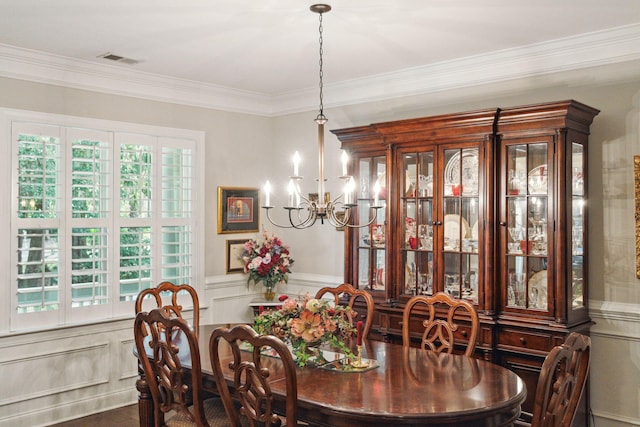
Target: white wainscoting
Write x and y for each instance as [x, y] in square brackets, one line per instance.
[615, 364]
[57, 375]
[54, 376]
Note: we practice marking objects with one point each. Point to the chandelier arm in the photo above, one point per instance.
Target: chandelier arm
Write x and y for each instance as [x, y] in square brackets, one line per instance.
[333, 219]
[371, 221]
[267, 209]
[307, 222]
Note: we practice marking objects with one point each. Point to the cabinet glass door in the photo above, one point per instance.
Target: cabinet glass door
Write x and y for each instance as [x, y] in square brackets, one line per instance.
[371, 241]
[527, 242]
[460, 203]
[417, 214]
[577, 228]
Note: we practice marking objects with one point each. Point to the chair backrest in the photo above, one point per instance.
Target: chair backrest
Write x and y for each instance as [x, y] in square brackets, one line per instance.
[251, 376]
[162, 343]
[353, 294]
[561, 382]
[170, 303]
[441, 323]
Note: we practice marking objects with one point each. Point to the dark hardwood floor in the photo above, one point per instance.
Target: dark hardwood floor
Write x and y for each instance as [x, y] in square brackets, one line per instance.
[126, 416]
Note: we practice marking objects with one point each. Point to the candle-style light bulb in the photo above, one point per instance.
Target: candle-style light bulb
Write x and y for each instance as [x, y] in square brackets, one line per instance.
[376, 193]
[349, 189]
[296, 163]
[291, 190]
[345, 160]
[267, 195]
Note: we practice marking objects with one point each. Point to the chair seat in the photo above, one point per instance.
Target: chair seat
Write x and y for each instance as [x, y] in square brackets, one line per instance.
[213, 411]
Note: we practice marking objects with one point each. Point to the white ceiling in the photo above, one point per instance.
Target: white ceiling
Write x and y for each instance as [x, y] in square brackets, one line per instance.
[267, 51]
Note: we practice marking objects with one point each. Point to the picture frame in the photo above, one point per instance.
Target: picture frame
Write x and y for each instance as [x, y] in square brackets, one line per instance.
[234, 251]
[238, 210]
[636, 185]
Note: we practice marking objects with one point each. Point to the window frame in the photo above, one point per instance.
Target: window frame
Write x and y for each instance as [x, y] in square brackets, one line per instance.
[159, 137]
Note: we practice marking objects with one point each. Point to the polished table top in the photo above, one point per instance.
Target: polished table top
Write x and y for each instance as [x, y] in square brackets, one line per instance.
[410, 387]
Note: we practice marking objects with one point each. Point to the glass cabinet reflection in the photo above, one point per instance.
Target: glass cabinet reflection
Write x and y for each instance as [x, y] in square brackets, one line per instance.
[417, 213]
[372, 241]
[527, 242]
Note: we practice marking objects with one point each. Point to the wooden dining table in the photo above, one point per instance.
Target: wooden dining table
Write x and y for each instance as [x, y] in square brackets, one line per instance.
[407, 387]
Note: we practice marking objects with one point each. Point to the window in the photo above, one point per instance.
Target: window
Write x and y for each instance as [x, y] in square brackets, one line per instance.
[99, 212]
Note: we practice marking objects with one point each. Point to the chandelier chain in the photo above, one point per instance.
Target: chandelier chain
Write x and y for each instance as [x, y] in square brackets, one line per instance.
[321, 74]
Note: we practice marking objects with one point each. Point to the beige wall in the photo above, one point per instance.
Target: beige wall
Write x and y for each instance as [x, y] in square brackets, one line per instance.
[245, 150]
[238, 146]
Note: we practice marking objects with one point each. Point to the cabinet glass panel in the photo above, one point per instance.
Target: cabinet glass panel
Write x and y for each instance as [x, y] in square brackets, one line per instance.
[364, 269]
[371, 240]
[527, 241]
[461, 276]
[537, 169]
[577, 229]
[460, 222]
[418, 274]
[417, 215]
[517, 225]
[527, 283]
[517, 170]
[461, 175]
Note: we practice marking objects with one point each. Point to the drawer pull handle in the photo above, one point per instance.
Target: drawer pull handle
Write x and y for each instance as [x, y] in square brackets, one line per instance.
[523, 341]
[464, 333]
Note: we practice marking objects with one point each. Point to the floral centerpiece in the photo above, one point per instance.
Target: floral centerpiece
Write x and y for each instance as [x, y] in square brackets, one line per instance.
[267, 261]
[308, 323]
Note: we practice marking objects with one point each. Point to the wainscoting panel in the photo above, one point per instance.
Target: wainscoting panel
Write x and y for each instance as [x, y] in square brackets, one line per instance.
[127, 360]
[615, 364]
[62, 374]
[44, 373]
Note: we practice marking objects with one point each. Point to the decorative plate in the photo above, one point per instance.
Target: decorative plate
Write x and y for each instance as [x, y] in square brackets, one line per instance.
[538, 180]
[538, 290]
[469, 174]
[452, 231]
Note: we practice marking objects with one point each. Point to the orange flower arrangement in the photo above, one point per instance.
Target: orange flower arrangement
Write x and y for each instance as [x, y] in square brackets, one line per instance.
[308, 322]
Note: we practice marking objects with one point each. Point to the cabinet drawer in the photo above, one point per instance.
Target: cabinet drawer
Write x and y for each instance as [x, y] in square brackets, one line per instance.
[525, 340]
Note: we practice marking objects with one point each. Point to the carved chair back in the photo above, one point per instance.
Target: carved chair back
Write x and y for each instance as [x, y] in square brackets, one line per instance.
[561, 382]
[251, 371]
[165, 296]
[353, 295]
[442, 322]
[161, 343]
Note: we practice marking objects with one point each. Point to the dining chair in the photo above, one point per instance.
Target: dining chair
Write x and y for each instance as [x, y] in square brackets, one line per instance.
[162, 343]
[251, 376]
[353, 294]
[561, 382]
[443, 315]
[165, 296]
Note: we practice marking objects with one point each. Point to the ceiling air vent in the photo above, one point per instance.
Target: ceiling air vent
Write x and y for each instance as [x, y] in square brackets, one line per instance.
[118, 58]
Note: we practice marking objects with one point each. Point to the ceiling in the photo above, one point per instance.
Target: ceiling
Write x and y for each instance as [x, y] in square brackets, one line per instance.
[268, 50]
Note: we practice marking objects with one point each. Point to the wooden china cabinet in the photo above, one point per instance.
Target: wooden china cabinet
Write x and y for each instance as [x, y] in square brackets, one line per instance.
[488, 206]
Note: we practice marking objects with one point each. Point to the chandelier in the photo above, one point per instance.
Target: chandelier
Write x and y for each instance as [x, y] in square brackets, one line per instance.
[303, 211]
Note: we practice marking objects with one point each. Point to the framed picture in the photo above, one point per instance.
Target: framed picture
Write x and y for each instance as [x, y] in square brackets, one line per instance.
[237, 210]
[234, 251]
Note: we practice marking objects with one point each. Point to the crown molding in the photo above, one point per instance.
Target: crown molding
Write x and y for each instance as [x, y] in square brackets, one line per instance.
[607, 47]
